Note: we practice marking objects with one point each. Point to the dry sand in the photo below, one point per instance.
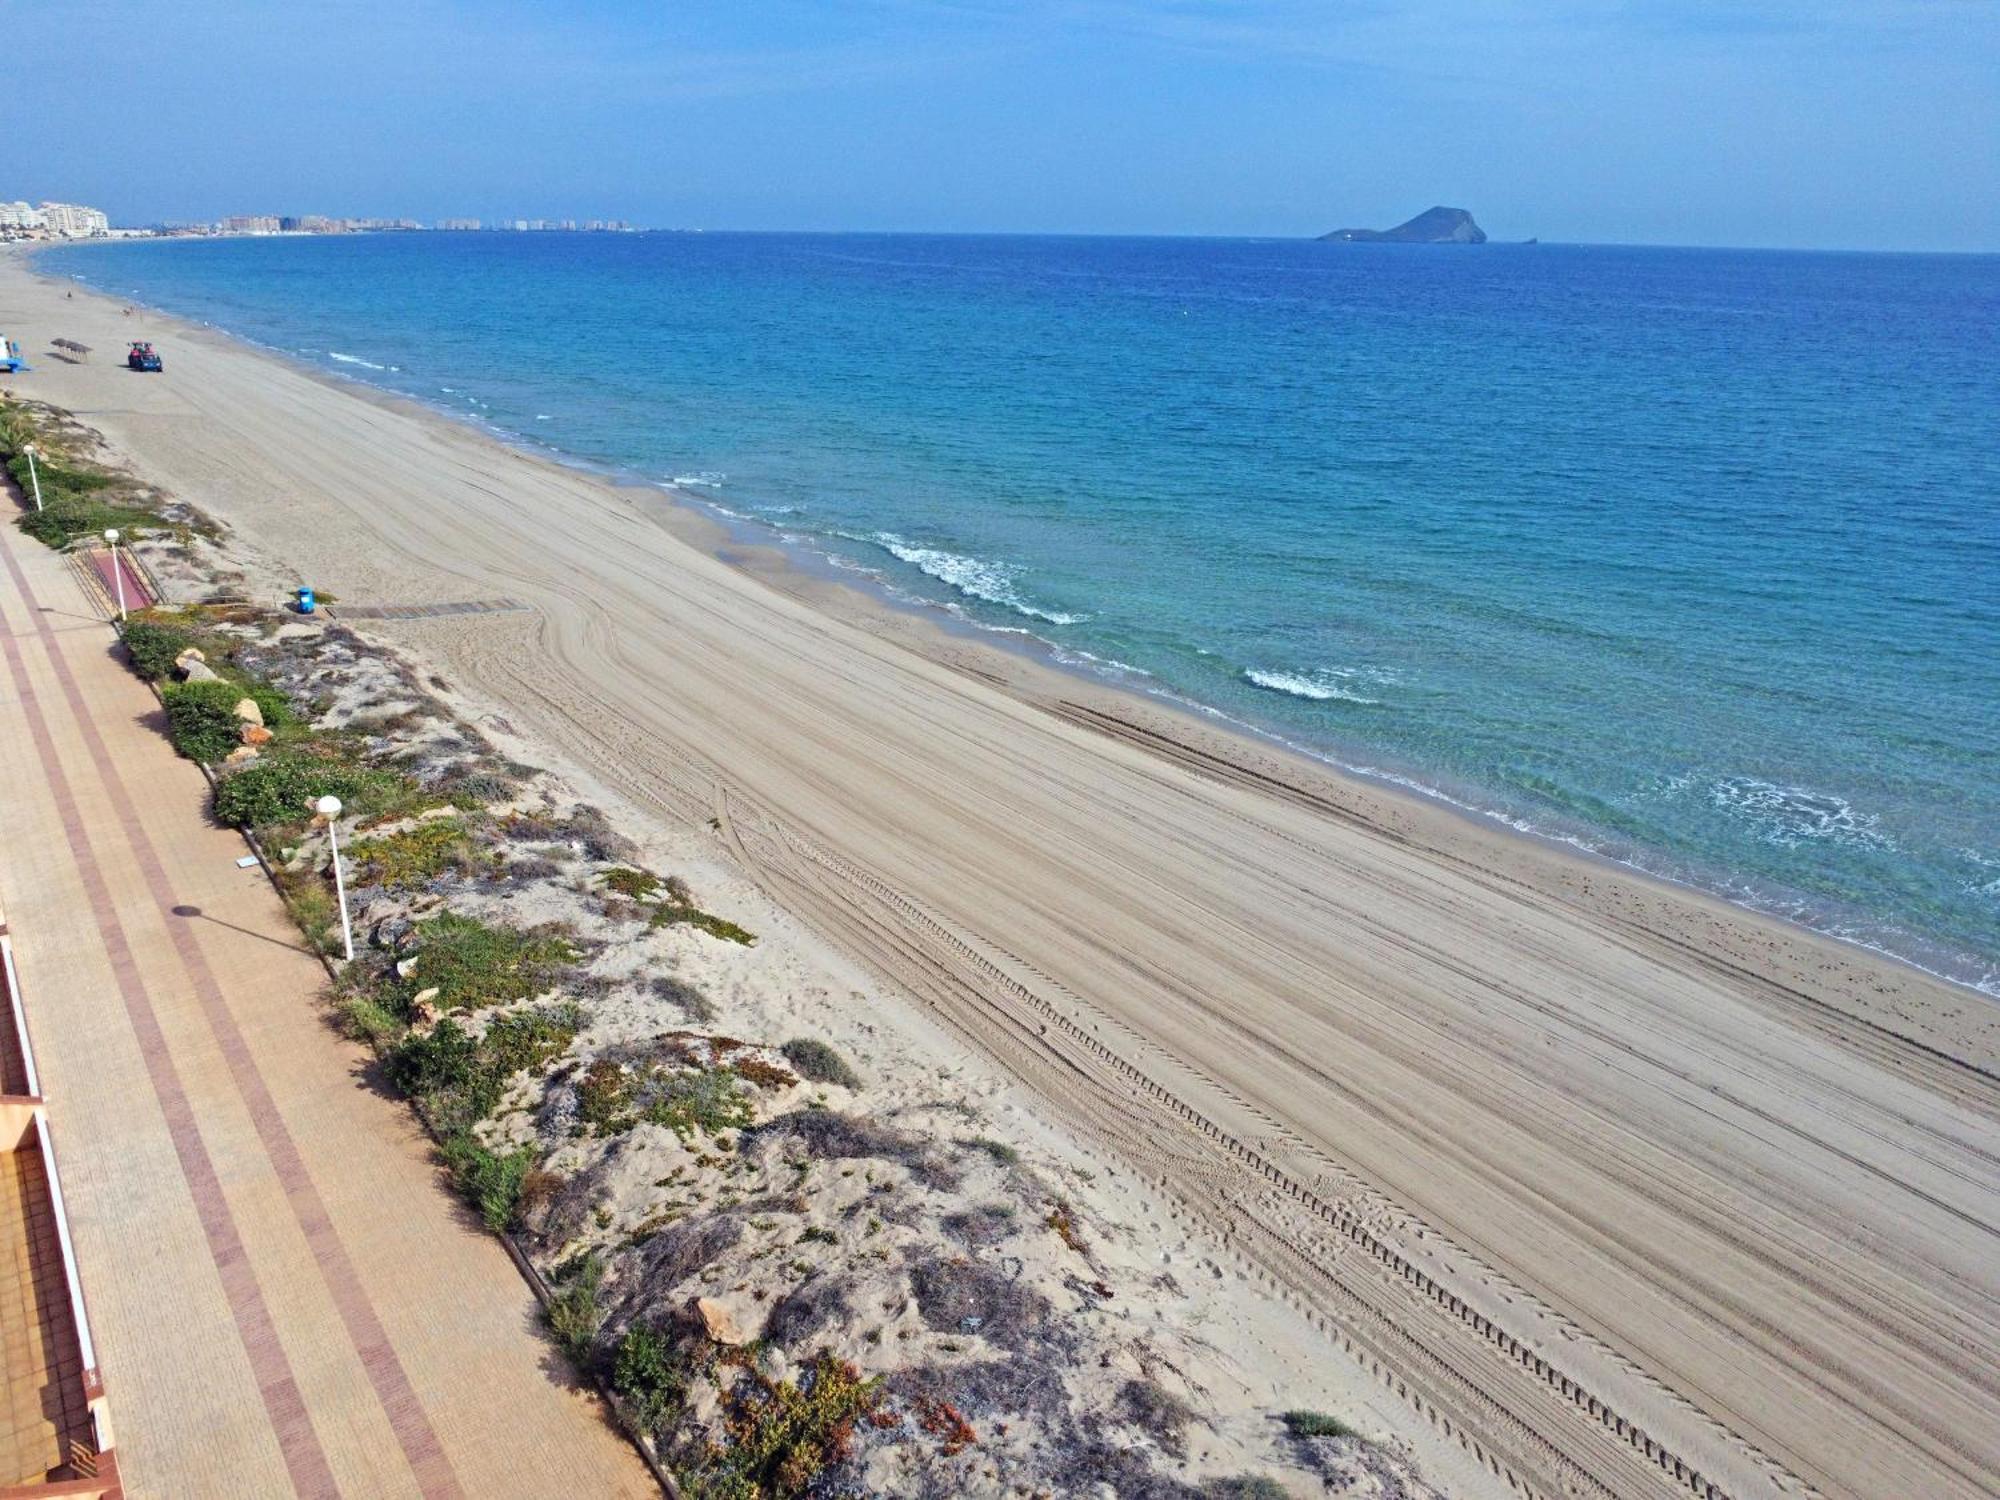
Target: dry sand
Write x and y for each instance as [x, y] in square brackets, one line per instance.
[1614, 1183]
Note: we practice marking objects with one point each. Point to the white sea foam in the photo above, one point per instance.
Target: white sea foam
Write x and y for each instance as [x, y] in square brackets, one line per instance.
[974, 577]
[1327, 684]
[1987, 882]
[542, 416]
[1792, 815]
[706, 479]
[355, 359]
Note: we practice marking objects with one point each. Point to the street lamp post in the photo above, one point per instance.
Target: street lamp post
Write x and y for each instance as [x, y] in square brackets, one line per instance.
[117, 573]
[329, 808]
[34, 479]
[111, 535]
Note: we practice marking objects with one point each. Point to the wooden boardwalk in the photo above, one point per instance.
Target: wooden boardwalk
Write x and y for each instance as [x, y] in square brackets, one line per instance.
[286, 1299]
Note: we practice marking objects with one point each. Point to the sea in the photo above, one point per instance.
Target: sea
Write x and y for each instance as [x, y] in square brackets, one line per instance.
[1690, 558]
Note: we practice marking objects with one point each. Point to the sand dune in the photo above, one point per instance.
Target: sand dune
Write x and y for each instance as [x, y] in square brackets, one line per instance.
[1636, 1192]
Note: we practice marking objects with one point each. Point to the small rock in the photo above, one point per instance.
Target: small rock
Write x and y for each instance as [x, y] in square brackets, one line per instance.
[247, 710]
[194, 671]
[239, 755]
[719, 1321]
[193, 653]
[254, 734]
[390, 932]
[423, 1007]
[405, 967]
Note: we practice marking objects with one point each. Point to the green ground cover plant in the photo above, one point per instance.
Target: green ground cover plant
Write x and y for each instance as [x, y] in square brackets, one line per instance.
[490, 1180]
[280, 787]
[201, 718]
[475, 966]
[573, 1313]
[782, 1434]
[417, 855]
[1312, 1424]
[645, 1372]
[666, 915]
[152, 647]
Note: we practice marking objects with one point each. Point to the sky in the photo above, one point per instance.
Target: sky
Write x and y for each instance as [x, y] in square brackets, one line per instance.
[1852, 124]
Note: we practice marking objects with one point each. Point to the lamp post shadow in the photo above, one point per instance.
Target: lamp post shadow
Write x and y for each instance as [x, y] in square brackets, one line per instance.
[262, 937]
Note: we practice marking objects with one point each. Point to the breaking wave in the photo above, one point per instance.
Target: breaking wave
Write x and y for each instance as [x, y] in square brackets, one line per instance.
[1327, 684]
[974, 577]
[1792, 815]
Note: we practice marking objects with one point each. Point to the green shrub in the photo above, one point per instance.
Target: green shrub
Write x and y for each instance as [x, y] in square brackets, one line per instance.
[443, 1060]
[645, 1373]
[152, 648]
[526, 1039]
[367, 1019]
[705, 1100]
[1312, 1424]
[475, 966]
[783, 1435]
[603, 1095]
[665, 915]
[573, 1314]
[459, 1078]
[272, 704]
[62, 519]
[814, 1059]
[490, 1180]
[635, 883]
[281, 786]
[201, 718]
[417, 855]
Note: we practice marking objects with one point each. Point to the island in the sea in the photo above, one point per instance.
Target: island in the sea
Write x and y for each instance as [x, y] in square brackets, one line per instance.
[1434, 226]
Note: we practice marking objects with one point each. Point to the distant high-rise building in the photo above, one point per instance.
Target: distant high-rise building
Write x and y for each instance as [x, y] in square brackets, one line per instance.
[458, 223]
[72, 221]
[21, 217]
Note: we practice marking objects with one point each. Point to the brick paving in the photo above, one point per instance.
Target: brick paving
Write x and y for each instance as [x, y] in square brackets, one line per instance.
[285, 1298]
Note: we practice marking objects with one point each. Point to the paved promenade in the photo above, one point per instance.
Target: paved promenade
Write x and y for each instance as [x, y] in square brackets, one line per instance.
[286, 1299]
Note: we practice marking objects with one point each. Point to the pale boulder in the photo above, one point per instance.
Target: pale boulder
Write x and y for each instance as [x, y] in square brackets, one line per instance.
[719, 1322]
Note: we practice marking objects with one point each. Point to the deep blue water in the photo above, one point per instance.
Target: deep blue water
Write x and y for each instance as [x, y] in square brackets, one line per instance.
[1691, 556]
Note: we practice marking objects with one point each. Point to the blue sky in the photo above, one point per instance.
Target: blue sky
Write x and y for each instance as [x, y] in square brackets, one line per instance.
[1863, 124]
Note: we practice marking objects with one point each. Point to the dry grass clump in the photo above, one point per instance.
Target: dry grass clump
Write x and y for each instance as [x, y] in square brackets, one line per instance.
[816, 1060]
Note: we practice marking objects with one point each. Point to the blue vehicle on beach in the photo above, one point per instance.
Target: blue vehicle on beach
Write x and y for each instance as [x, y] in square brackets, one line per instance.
[10, 356]
[144, 357]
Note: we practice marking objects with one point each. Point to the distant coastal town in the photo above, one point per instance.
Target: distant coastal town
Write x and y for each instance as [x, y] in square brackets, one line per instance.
[72, 221]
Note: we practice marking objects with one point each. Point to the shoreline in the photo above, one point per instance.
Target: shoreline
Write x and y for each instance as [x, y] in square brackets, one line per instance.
[1033, 668]
[1666, 1178]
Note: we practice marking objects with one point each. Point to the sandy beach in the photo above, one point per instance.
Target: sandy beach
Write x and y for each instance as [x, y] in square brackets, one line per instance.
[1626, 1190]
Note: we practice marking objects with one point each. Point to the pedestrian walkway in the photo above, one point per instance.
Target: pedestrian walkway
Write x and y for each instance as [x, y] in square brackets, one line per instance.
[285, 1298]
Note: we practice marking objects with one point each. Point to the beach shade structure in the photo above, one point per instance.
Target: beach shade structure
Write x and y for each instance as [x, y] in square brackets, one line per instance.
[117, 571]
[329, 808]
[34, 476]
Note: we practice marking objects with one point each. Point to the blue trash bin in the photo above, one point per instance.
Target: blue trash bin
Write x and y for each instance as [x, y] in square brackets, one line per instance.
[306, 604]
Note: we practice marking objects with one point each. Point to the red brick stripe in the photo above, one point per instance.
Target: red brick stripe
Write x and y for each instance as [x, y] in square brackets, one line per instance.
[400, 1403]
[305, 1460]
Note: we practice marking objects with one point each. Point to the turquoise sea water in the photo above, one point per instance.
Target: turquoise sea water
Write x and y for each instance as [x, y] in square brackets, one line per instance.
[1689, 556]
